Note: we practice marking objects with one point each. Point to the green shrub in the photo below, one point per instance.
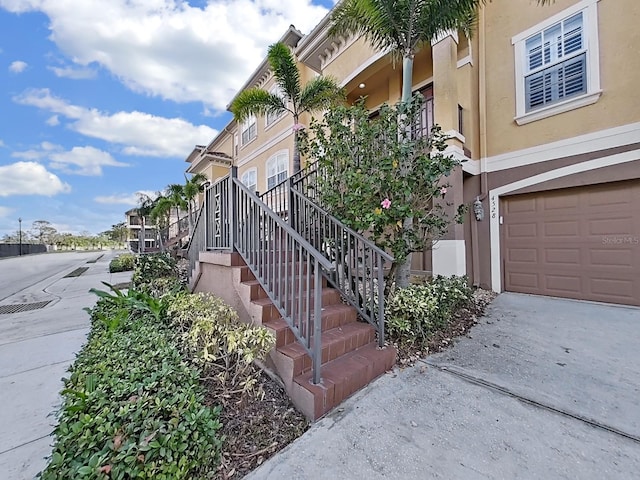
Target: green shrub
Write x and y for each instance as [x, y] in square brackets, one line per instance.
[213, 336]
[132, 408]
[122, 263]
[153, 265]
[415, 313]
[161, 287]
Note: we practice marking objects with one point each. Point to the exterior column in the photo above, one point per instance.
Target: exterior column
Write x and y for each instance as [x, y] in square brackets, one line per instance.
[448, 253]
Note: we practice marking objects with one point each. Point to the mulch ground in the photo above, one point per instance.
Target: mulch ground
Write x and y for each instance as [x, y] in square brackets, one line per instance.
[258, 428]
[255, 429]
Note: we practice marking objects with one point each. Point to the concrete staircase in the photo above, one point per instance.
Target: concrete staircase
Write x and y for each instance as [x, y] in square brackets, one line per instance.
[350, 356]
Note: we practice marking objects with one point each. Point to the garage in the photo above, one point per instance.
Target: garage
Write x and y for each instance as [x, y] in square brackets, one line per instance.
[581, 242]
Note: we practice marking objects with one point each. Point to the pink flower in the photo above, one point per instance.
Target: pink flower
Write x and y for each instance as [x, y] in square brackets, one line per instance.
[297, 127]
[386, 204]
[443, 191]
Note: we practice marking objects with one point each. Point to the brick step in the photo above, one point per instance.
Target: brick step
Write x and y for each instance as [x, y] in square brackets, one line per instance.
[333, 316]
[341, 378]
[256, 291]
[292, 359]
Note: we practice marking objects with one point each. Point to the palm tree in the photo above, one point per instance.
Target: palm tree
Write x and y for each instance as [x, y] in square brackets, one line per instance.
[145, 205]
[191, 189]
[175, 193]
[404, 26]
[160, 216]
[318, 94]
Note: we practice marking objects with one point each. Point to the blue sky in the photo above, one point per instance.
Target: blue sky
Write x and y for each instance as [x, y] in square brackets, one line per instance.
[101, 99]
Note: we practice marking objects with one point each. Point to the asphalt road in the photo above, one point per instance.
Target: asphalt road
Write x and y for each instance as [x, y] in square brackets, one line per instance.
[37, 347]
[20, 273]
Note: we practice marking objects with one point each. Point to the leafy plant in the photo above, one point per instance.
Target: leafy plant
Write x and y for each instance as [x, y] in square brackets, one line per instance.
[415, 313]
[122, 263]
[154, 265]
[132, 408]
[217, 341]
[133, 300]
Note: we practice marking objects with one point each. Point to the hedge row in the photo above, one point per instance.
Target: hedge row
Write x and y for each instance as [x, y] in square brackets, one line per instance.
[132, 407]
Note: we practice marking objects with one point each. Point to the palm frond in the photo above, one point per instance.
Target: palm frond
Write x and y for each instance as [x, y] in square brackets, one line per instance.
[320, 93]
[256, 101]
[285, 70]
[378, 21]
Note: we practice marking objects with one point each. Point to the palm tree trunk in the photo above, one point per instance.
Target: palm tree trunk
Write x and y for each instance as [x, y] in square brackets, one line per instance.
[296, 150]
[190, 214]
[407, 77]
[403, 272]
[141, 241]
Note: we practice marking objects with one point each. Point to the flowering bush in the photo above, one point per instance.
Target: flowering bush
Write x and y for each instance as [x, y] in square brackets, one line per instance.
[383, 177]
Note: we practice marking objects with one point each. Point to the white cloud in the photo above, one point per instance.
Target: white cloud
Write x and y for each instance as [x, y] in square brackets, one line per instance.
[53, 121]
[5, 211]
[29, 178]
[45, 149]
[125, 198]
[168, 48]
[2, 144]
[81, 73]
[86, 161]
[137, 132]
[18, 66]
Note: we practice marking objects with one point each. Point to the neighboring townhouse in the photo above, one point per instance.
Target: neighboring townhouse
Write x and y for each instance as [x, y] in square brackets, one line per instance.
[541, 105]
[134, 227]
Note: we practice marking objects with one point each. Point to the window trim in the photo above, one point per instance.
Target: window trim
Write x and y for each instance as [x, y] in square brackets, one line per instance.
[253, 170]
[589, 9]
[272, 159]
[246, 126]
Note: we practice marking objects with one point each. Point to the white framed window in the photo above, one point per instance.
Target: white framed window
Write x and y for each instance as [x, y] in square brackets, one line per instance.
[277, 169]
[557, 64]
[249, 129]
[271, 118]
[250, 179]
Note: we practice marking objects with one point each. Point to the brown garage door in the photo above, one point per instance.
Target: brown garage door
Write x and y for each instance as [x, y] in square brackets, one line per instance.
[581, 242]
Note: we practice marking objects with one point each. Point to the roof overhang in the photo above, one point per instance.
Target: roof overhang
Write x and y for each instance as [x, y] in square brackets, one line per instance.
[291, 38]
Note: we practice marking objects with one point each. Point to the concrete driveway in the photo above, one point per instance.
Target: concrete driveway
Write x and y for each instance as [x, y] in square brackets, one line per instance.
[541, 388]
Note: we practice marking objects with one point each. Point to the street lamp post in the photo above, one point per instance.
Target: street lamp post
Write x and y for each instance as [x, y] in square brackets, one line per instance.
[20, 234]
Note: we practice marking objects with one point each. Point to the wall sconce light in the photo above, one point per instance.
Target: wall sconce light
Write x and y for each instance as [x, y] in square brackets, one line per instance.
[362, 85]
[478, 209]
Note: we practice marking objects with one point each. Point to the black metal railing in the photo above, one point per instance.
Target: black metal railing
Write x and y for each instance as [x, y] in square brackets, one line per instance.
[358, 263]
[287, 267]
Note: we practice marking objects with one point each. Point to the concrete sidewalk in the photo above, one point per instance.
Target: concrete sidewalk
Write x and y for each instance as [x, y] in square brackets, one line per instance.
[36, 349]
[496, 406]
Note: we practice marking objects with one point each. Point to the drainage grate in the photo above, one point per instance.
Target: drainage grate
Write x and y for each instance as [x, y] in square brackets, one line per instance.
[22, 307]
[77, 272]
[96, 259]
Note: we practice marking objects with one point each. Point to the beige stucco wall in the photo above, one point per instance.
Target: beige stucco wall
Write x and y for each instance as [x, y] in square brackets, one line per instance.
[259, 161]
[619, 37]
[349, 60]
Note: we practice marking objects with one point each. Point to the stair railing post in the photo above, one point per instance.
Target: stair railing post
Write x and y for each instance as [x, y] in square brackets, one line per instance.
[205, 218]
[231, 212]
[291, 200]
[317, 323]
[381, 299]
